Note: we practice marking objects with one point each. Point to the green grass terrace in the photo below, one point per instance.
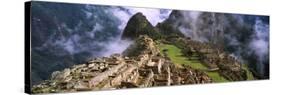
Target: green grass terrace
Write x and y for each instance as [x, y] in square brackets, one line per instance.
[176, 56]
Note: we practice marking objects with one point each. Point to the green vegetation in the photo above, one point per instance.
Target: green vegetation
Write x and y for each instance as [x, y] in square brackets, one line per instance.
[166, 29]
[139, 25]
[249, 73]
[216, 77]
[176, 56]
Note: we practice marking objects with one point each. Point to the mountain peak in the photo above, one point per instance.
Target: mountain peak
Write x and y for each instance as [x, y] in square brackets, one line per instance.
[139, 25]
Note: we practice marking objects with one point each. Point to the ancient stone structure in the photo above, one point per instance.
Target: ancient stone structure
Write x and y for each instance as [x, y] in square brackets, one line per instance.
[214, 58]
[147, 68]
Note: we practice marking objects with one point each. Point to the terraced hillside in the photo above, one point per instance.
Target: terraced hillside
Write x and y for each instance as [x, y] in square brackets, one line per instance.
[175, 54]
[177, 57]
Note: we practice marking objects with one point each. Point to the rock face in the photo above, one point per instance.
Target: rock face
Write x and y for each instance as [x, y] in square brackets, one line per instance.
[145, 69]
[139, 25]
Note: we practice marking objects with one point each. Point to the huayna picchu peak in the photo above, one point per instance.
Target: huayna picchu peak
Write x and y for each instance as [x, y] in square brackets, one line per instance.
[139, 25]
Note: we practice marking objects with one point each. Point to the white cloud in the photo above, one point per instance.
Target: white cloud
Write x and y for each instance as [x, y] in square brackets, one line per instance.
[122, 15]
[260, 43]
[118, 46]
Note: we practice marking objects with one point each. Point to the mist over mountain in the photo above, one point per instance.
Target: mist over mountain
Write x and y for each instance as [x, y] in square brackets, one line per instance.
[244, 36]
[66, 34]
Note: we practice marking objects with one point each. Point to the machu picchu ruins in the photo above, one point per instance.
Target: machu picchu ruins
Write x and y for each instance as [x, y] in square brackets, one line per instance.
[146, 69]
[155, 58]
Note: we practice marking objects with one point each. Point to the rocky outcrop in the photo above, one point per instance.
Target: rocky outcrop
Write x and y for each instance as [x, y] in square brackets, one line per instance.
[139, 25]
[145, 69]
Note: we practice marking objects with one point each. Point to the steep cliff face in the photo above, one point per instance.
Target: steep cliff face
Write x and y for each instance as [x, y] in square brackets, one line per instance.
[139, 25]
